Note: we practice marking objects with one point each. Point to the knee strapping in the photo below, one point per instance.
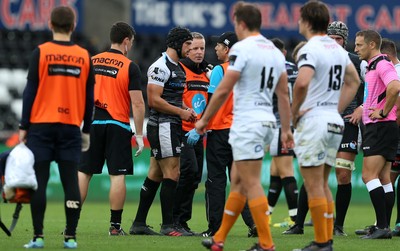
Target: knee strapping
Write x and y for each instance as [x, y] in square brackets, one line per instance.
[346, 164]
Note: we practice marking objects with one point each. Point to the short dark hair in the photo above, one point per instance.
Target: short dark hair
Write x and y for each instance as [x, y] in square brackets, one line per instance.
[62, 19]
[316, 13]
[248, 13]
[278, 43]
[388, 47]
[371, 36]
[119, 31]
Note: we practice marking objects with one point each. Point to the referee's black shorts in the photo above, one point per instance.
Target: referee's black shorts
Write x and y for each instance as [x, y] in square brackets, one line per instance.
[381, 139]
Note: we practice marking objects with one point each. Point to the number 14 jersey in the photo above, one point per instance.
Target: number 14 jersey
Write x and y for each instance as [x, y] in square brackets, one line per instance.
[260, 65]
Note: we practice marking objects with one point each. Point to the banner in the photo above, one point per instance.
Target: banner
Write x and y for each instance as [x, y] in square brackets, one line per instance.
[100, 183]
[34, 14]
[279, 18]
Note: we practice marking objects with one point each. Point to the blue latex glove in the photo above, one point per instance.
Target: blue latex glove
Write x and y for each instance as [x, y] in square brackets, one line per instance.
[193, 137]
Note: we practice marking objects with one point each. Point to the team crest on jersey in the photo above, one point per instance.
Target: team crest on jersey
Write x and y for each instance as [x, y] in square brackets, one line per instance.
[232, 59]
[303, 56]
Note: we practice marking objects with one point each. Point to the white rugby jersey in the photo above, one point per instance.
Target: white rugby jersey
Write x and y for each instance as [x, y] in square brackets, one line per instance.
[397, 67]
[260, 65]
[329, 61]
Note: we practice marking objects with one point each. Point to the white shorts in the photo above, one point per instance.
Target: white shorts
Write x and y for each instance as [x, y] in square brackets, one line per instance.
[248, 140]
[317, 139]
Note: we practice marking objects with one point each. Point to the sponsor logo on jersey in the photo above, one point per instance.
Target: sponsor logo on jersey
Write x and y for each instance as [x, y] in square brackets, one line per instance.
[199, 103]
[109, 61]
[64, 70]
[106, 71]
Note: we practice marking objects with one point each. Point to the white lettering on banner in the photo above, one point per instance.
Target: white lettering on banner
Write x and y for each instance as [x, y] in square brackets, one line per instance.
[151, 13]
[196, 14]
[31, 13]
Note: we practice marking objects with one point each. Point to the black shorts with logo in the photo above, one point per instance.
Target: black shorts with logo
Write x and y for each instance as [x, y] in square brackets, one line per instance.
[350, 138]
[381, 139]
[165, 140]
[111, 143]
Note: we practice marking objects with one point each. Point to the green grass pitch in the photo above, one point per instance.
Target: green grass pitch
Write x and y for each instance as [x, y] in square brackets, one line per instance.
[93, 230]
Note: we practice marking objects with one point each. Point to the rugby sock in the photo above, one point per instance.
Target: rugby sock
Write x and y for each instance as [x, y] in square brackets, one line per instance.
[398, 201]
[233, 207]
[167, 195]
[389, 199]
[246, 216]
[274, 191]
[259, 208]
[115, 219]
[319, 208]
[302, 207]
[331, 206]
[343, 196]
[377, 195]
[147, 195]
[69, 180]
[291, 193]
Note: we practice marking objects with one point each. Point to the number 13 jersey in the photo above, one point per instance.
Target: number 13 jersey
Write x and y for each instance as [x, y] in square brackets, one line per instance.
[329, 61]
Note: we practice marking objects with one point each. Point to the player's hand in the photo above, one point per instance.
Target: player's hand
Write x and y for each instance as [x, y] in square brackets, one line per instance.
[355, 117]
[193, 137]
[140, 144]
[22, 135]
[375, 114]
[287, 140]
[85, 141]
[188, 115]
[201, 126]
[297, 115]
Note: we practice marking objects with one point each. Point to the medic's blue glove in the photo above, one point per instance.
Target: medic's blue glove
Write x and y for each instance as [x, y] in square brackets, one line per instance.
[193, 137]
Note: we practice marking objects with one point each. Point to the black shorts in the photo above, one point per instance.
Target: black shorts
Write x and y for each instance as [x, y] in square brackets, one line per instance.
[112, 143]
[381, 139]
[55, 141]
[165, 140]
[275, 148]
[350, 138]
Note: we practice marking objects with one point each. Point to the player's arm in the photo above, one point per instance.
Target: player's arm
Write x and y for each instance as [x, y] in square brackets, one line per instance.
[282, 92]
[135, 93]
[159, 104]
[350, 87]
[89, 106]
[300, 89]
[138, 110]
[392, 93]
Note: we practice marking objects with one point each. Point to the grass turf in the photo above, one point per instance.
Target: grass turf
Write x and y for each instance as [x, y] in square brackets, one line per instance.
[94, 223]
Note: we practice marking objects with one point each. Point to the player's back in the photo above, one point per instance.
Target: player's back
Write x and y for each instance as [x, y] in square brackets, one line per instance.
[329, 61]
[260, 64]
